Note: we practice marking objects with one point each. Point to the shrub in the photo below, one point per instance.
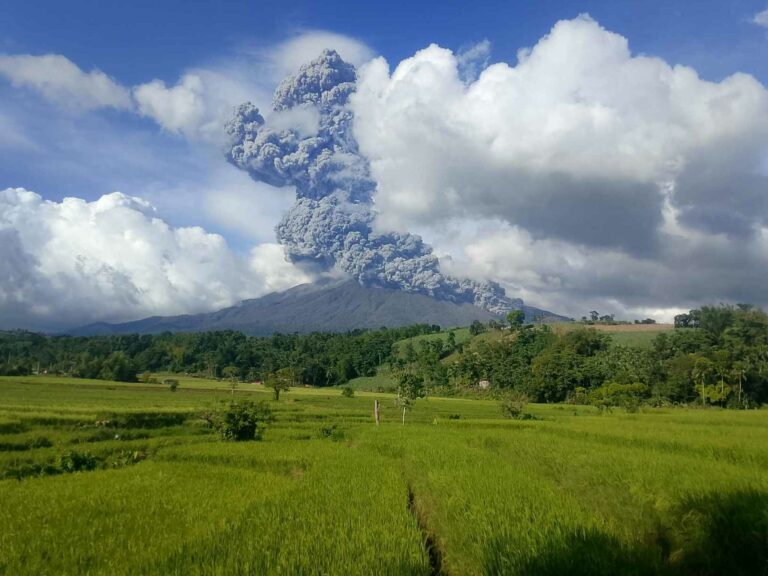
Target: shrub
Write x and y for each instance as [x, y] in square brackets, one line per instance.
[77, 461]
[128, 458]
[146, 420]
[579, 396]
[348, 392]
[244, 420]
[513, 405]
[172, 383]
[332, 432]
[613, 394]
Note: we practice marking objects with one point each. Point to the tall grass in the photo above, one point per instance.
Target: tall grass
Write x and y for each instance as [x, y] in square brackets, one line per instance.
[457, 490]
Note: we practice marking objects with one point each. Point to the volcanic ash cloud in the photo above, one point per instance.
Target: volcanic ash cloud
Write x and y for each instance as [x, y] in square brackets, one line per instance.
[308, 143]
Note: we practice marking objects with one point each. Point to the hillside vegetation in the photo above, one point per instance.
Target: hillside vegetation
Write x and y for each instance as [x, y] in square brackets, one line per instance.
[634, 335]
[718, 358]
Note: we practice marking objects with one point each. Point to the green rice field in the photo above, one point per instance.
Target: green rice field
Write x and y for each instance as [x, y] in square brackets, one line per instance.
[125, 479]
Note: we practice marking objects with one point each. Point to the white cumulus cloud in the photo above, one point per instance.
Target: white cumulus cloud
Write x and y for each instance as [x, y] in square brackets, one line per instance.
[290, 55]
[573, 279]
[60, 80]
[582, 175]
[198, 105]
[267, 262]
[575, 141]
[761, 18]
[180, 108]
[75, 261]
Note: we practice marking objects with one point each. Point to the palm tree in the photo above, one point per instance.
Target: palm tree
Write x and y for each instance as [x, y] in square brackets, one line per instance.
[701, 373]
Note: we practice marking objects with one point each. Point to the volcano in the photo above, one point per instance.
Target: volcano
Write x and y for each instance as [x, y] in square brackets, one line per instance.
[332, 306]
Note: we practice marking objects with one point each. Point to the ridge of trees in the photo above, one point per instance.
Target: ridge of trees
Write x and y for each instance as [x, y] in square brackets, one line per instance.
[319, 359]
[717, 355]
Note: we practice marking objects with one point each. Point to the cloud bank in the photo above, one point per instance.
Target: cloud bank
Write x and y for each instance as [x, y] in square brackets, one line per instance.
[601, 175]
[579, 128]
[583, 176]
[60, 80]
[200, 102]
[74, 261]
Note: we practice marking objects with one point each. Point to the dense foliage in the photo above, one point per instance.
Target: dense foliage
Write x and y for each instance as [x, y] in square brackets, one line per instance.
[721, 359]
[243, 420]
[717, 355]
[320, 359]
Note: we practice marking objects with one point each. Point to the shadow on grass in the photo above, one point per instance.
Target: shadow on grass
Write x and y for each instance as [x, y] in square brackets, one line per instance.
[720, 534]
[581, 553]
[711, 535]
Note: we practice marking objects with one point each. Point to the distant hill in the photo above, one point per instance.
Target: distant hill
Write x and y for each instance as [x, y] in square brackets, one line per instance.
[328, 307]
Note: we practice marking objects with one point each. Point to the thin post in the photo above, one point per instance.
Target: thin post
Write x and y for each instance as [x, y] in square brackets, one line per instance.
[376, 411]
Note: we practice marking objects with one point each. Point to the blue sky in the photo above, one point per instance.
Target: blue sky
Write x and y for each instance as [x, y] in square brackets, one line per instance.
[135, 95]
[141, 39]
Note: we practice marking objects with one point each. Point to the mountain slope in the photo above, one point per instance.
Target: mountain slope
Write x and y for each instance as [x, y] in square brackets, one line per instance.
[329, 307]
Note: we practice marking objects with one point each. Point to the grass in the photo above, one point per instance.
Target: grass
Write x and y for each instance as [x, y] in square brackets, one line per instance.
[458, 490]
[461, 335]
[383, 380]
[632, 335]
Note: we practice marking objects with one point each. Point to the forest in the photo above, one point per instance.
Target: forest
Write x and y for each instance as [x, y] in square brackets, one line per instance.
[716, 355]
[321, 359]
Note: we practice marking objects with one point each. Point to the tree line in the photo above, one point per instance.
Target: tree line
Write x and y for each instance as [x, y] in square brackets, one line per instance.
[318, 359]
[718, 356]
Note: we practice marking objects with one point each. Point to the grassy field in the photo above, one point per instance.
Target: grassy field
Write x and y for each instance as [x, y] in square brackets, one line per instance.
[633, 335]
[460, 334]
[457, 490]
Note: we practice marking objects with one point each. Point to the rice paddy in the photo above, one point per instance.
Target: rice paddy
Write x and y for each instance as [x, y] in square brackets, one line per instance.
[112, 478]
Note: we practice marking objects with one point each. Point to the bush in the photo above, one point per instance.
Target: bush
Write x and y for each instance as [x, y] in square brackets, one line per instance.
[579, 396]
[146, 420]
[476, 328]
[244, 420]
[513, 405]
[77, 461]
[172, 383]
[332, 432]
[128, 458]
[613, 394]
[348, 392]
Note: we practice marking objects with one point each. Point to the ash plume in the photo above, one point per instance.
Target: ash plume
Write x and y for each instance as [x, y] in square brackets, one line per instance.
[331, 223]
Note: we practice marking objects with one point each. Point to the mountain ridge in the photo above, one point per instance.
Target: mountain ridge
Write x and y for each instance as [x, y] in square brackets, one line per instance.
[332, 306]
